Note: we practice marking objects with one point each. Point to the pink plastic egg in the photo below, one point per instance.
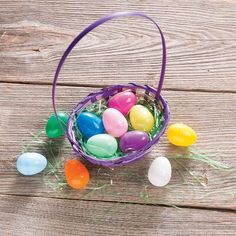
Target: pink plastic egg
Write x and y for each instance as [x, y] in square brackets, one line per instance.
[114, 122]
[123, 102]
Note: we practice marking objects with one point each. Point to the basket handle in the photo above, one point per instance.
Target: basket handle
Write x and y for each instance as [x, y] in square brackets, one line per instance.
[95, 25]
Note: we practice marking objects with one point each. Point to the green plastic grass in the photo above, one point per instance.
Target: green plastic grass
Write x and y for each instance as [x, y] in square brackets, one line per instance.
[198, 155]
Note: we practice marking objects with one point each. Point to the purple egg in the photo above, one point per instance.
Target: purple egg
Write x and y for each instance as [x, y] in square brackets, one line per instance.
[133, 141]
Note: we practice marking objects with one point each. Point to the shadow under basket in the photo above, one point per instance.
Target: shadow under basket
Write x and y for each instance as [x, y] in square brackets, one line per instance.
[146, 95]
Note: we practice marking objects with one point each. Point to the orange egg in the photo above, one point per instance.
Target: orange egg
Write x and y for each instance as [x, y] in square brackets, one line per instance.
[77, 175]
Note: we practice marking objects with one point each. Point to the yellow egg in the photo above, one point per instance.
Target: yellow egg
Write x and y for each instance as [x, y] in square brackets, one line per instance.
[181, 135]
[141, 118]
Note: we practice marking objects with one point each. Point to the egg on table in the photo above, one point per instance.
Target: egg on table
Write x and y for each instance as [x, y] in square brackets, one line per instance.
[53, 128]
[159, 173]
[77, 175]
[31, 163]
[181, 135]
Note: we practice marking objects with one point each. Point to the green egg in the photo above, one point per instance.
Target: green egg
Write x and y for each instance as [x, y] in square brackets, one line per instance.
[53, 128]
[102, 145]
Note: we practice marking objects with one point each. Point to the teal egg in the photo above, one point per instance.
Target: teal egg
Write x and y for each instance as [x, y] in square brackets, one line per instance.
[31, 163]
[102, 145]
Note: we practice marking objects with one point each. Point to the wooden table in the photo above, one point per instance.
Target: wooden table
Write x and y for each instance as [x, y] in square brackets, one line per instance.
[200, 87]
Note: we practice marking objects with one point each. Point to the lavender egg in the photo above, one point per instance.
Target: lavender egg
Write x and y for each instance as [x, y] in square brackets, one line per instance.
[133, 141]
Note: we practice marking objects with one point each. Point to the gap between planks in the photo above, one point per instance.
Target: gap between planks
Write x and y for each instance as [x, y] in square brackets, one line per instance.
[123, 202]
[66, 84]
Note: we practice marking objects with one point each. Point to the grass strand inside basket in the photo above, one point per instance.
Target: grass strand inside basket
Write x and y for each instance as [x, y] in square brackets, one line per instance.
[100, 106]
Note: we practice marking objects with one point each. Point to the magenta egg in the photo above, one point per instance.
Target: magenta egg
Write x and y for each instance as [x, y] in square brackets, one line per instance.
[114, 122]
[133, 141]
[123, 102]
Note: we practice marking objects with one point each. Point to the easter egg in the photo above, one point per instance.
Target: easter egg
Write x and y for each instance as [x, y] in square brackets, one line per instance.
[133, 141]
[102, 145]
[53, 128]
[114, 122]
[31, 163]
[159, 172]
[123, 101]
[141, 118]
[181, 135]
[89, 124]
[77, 175]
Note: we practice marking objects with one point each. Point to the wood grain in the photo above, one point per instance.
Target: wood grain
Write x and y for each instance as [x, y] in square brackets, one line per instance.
[25, 108]
[200, 39]
[200, 88]
[71, 217]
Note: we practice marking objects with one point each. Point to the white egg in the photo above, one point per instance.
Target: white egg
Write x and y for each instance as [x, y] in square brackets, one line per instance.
[159, 172]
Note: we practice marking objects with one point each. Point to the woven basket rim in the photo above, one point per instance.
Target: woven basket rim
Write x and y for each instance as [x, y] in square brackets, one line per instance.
[105, 93]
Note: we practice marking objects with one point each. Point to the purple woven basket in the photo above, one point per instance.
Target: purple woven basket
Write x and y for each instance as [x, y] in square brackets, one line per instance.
[105, 93]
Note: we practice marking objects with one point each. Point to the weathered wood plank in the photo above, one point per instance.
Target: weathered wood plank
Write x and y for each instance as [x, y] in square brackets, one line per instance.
[212, 115]
[200, 39]
[45, 216]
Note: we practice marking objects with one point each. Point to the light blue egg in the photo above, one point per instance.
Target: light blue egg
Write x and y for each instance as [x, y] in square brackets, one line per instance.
[31, 163]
